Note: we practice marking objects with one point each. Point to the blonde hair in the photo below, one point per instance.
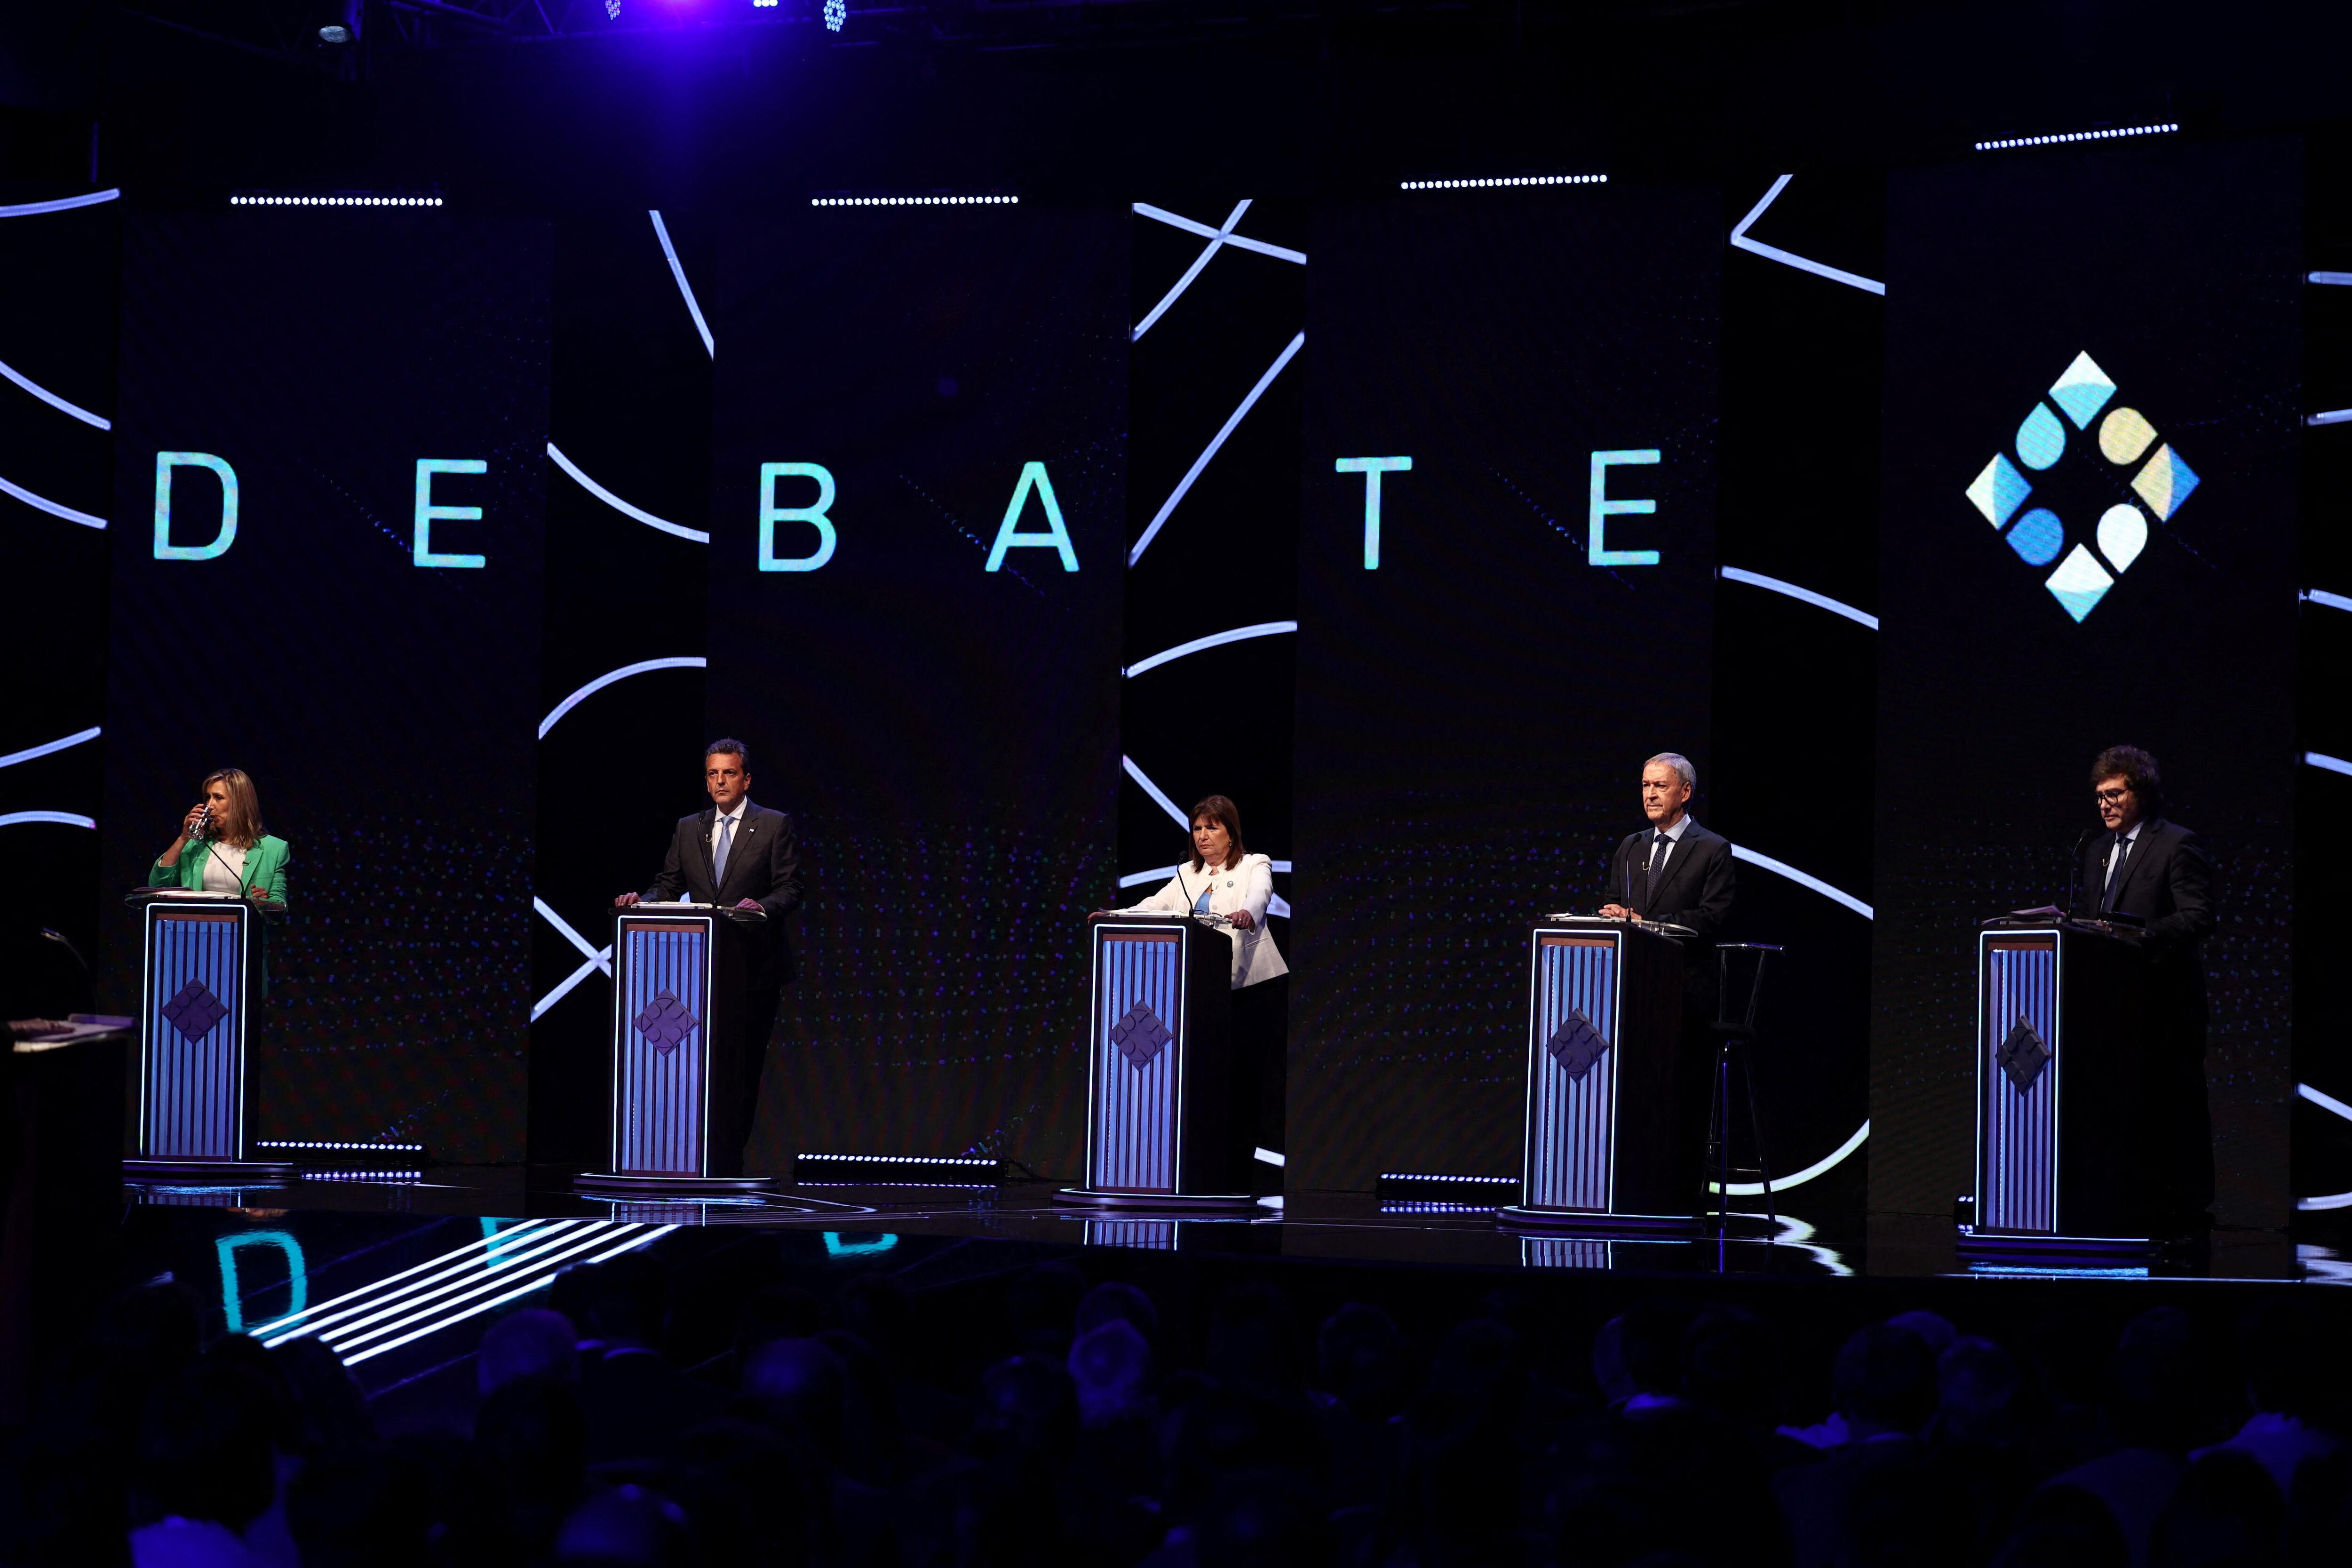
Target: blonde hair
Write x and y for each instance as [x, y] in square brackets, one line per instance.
[240, 826]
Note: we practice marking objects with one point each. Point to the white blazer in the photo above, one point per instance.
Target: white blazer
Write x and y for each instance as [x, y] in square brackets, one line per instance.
[1248, 886]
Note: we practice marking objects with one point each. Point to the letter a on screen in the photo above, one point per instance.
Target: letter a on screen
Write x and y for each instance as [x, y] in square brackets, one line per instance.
[1055, 536]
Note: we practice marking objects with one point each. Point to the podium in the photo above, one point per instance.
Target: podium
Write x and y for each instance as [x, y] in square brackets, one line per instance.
[677, 969]
[200, 961]
[1604, 1032]
[2061, 1160]
[1159, 1067]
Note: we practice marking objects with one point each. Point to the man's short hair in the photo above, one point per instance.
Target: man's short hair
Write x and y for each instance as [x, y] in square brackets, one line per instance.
[2135, 768]
[1680, 763]
[738, 747]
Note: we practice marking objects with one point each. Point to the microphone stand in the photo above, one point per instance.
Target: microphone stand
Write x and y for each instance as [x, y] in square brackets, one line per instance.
[2074, 869]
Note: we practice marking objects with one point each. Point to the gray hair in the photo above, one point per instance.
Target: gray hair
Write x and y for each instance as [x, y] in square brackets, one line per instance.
[1680, 763]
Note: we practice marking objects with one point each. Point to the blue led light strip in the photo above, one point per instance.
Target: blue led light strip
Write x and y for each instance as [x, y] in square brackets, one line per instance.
[54, 401]
[1739, 241]
[54, 509]
[617, 504]
[1216, 639]
[1161, 517]
[64, 203]
[677, 270]
[1820, 601]
[914, 201]
[48, 747]
[1739, 852]
[2075, 136]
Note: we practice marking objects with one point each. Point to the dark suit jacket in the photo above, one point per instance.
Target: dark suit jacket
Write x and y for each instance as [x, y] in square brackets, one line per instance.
[2167, 882]
[764, 863]
[1696, 891]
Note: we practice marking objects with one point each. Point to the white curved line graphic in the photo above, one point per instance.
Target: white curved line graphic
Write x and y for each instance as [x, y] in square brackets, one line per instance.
[617, 504]
[602, 681]
[62, 818]
[1821, 601]
[1741, 241]
[64, 203]
[52, 399]
[29, 752]
[2333, 601]
[1218, 440]
[1739, 852]
[2322, 759]
[2332, 1201]
[54, 509]
[1159, 796]
[677, 270]
[1218, 639]
[1783, 1183]
[1161, 215]
[2324, 1102]
[1191, 272]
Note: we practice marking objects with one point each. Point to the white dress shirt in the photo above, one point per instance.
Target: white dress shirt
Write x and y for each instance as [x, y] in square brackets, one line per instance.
[219, 877]
[1674, 838]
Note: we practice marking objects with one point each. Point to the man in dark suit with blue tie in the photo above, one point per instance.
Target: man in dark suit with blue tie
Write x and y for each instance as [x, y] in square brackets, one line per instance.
[2158, 872]
[746, 857]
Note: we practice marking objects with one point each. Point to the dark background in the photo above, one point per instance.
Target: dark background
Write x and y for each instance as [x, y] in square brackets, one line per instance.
[2176, 268]
[380, 706]
[1474, 714]
[945, 737]
[182, 101]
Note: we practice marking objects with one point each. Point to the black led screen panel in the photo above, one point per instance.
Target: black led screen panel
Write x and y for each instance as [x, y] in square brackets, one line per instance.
[2089, 537]
[1487, 655]
[368, 389]
[917, 569]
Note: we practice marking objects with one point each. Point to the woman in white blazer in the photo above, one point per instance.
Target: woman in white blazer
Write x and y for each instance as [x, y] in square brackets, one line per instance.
[1225, 879]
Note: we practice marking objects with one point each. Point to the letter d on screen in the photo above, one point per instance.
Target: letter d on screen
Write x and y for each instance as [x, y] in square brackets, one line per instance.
[164, 549]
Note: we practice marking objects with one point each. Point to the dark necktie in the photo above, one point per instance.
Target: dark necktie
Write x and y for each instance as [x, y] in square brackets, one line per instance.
[1659, 845]
[2115, 873]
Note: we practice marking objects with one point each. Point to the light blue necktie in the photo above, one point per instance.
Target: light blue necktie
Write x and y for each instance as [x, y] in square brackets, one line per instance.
[719, 855]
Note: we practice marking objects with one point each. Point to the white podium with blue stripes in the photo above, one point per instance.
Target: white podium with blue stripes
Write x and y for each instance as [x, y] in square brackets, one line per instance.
[199, 976]
[1160, 1069]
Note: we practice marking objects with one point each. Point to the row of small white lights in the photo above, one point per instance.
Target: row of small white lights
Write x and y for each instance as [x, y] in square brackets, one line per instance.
[2075, 136]
[334, 201]
[1512, 180]
[914, 201]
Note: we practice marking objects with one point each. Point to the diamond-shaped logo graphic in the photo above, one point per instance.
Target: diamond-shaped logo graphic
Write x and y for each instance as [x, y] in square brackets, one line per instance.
[1139, 1035]
[193, 1011]
[666, 1023]
[1576, 1045]
[2085, 573]
[2022, 1056]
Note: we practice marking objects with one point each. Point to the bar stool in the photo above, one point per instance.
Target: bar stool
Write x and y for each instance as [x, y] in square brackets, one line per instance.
[1735, 1037]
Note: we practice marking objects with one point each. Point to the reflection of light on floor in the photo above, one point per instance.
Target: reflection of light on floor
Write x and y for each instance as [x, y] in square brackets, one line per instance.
[1796, 1232]
[2323, 1265]
[2054, 1271]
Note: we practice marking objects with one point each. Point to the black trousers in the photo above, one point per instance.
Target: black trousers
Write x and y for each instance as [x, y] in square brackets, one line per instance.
[739, 1055]
[1261, 1067]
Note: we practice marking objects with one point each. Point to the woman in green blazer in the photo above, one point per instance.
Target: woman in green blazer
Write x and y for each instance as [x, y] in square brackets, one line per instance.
[223, 847]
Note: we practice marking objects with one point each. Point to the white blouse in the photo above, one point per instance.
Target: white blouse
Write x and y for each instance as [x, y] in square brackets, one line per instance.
[1248, 886]
[220, 877]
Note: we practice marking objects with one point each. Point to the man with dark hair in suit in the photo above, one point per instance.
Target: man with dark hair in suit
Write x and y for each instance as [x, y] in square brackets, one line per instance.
[1675, 872]
[746, 857]
[2156, 870]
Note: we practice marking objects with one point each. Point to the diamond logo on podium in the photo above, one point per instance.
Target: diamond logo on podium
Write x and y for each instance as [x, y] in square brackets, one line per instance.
[194, 1011]
[1576, 1045]
[2022, 1056]
[666, 1023]
[1139, 1035]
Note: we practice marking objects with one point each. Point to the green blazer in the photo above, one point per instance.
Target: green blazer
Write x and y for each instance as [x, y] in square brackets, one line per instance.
[265, 868]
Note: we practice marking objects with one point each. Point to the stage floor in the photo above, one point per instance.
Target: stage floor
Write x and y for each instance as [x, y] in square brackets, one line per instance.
[1802, 1243]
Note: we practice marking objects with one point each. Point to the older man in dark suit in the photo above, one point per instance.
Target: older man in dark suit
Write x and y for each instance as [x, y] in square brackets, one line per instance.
[2158, 872]
[1675, 872]
[746, 855]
